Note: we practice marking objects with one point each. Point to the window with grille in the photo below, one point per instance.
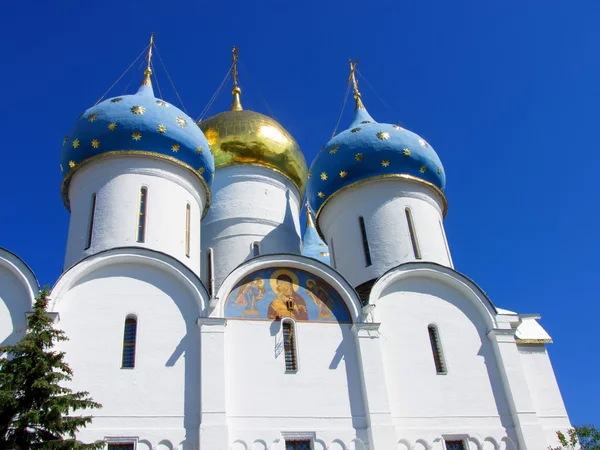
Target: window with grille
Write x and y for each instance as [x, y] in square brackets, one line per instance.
[88, 244]
[289, 346]
[455, 445]
[188, 213]
[365, 241]
[129, 338]
[413, 235]
[255, 249]
[297, 445]
[141, 233]
[120, 446]
[436, 348]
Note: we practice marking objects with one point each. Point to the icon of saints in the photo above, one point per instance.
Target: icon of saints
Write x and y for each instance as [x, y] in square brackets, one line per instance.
[287, 303]
[250, 293]
[322, 299]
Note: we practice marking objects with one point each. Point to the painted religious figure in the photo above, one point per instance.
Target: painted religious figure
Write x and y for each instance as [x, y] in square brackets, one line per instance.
[272, 294]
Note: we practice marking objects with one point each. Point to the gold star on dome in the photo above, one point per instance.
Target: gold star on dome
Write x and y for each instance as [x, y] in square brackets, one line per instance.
[161, 103]
[95, 143]
[321, 195]
[423, 169]
[398, 127]
[181, 122]
[138, 110]
[161, 129]
[309, 173]
[116, 100]
[71, 164]
[343, 174]
[199, 150]
[323, 176]
[383, 135]
[423, 143]
[385, 162]
[75, 143]
[358, 156]
[112, 126]
[136, 135]
[92, 117]
[439, 171]
[333, 149]
[66, 138]
[355, 130]
[175, 147]
[201, 170]
[406, 152]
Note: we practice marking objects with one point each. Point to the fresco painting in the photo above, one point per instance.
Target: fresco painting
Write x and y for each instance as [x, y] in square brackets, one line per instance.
[272, 294]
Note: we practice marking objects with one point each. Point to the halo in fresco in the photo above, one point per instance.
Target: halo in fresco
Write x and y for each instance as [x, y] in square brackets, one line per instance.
[271, 294]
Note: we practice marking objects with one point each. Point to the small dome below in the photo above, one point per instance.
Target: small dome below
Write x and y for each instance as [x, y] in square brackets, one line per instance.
[312, 244]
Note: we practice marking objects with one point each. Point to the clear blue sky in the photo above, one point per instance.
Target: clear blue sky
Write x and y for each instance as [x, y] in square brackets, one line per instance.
[506, 91]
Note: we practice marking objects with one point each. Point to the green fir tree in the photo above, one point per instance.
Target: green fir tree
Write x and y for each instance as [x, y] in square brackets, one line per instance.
[36, 410]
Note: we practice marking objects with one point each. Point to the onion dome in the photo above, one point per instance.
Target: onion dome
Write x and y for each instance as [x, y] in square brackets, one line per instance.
[312, 245]
[368, 150]
[241, 136]
[138, 124]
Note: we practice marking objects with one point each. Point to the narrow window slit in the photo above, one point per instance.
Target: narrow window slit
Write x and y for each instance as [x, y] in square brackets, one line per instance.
[436, 348]
[187, 229]
[365, 241]
[210, 271]
[91, 224]
[129, 340]
[141, 233]
[255, 249]
[413, 235]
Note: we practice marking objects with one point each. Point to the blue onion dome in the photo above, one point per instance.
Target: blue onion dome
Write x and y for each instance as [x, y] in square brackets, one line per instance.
[138, 124]
[369, 150]
[312, 244]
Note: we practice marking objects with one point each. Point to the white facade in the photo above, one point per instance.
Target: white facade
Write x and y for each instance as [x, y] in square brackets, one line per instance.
[116, 183]
[252, 204]
[383, 203]
[207, 377]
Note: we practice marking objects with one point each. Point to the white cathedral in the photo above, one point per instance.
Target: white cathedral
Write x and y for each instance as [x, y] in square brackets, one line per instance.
[201, 316]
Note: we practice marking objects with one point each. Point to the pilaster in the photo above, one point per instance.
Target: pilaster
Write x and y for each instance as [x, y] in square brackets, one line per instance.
[214, 431]
[382, 435]
[530, 433]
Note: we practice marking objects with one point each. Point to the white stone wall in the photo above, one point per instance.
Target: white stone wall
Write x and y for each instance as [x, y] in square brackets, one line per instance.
[545, 392]
[382, 205]
[469, 399]
[250, 204]
[159, 399]
[117, 182]
[18, 289]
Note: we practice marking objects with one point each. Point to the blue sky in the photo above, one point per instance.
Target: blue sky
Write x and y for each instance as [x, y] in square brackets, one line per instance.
[507, 93]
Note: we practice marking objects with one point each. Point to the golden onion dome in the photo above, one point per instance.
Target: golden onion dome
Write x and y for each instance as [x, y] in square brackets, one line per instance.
[240, 136]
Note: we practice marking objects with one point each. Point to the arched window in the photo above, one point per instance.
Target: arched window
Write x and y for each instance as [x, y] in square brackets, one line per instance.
[289, 345]
[436, 348]
[91, 224]
[365, 241]
[129, 338]
[210, 271]
[141, 233]
[255, 249]
[413, 236]
[188, 213]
